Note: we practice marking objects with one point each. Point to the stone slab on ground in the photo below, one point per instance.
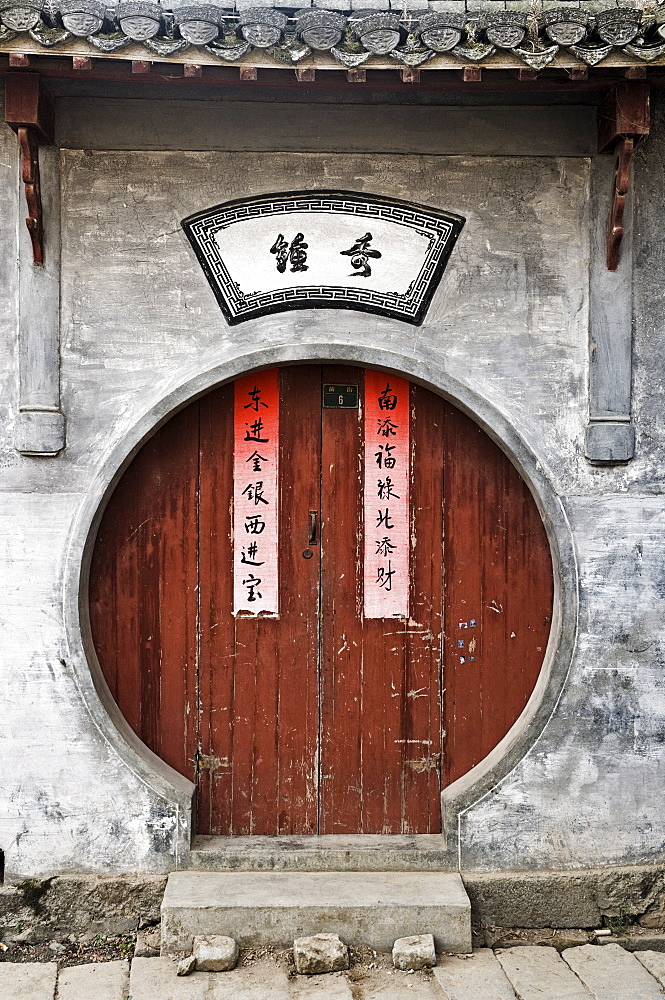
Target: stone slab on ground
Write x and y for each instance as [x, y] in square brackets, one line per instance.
[333, 986]
[156, 979]
[29, 981]
[391, 984]
[611, 973]
[98, 981]
[476, 978]
[653, 962]
[260, 909]
[537, 973]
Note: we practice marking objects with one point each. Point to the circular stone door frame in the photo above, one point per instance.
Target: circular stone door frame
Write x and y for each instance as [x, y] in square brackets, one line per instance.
[172, 787]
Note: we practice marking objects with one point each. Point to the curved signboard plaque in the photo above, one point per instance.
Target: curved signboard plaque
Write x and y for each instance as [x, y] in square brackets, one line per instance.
[323, 249]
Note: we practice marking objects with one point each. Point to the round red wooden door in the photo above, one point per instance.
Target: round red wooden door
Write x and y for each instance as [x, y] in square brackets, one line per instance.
[320, 719]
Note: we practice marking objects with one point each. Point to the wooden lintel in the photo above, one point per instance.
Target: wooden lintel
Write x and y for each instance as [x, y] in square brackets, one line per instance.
[18, 60]
[472, 74]
[192, 69]
[410, 74]
[358, 75]
[82, 63]
[248, 73]
[305, 74]
[141, 66]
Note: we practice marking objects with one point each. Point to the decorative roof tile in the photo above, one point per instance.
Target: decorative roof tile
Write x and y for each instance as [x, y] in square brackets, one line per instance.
[415, 33]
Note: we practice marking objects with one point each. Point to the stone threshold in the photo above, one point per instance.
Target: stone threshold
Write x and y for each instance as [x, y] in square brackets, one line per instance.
[272, 909]
[322, 853]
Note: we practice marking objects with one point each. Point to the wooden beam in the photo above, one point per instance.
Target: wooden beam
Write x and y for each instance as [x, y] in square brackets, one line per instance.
[28, 105]
[358, 75]
[82, 63]
[305, 74]
[410, 74]
[18, 60]
[523, 75]
[192, 69]
[140, 66]
[636, 73]
[472, 74]
[581, 73]
[623, 113]
[248, 73]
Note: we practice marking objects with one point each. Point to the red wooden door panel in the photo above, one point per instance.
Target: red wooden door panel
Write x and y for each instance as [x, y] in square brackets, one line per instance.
[259, 675]
[380, 678]
[320, 720]
[143, 592]
[498, 576]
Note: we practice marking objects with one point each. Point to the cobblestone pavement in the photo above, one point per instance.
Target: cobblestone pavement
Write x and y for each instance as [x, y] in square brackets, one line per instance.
[589, 972]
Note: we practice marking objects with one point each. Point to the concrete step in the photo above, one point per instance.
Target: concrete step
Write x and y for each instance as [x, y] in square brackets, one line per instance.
[338, 853]
[273, 908]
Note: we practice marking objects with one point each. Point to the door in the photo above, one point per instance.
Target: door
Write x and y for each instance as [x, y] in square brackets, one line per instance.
[321, 719]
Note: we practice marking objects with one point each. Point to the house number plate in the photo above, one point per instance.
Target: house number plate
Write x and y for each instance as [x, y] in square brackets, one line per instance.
[343, 396]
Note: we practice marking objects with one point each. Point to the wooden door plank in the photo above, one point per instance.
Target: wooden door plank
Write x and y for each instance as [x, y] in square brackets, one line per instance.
[275, 735]
[539, 973]
[424, 634]
[386, 745]
[216, 708]
[477, 977]
[342, 689]
[498, 594]
[381, 684]
[611, 973]
[143, 595]
[297, 649]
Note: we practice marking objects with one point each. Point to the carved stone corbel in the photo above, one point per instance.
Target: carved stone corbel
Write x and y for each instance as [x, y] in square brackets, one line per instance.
[40, 424]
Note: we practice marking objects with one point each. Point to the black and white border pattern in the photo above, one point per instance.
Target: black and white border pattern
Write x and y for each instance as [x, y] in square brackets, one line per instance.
[441, 228]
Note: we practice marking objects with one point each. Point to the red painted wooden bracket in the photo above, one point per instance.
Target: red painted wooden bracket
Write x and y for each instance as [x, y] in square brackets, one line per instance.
[624, 155]
[623, 119]
[29, 112]
[29, 147]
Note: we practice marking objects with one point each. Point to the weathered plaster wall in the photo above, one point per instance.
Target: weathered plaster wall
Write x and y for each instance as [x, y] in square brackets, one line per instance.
[509, 321]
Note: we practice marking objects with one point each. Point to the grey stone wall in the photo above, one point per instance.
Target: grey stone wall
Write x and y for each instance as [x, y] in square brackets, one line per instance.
[140, 331]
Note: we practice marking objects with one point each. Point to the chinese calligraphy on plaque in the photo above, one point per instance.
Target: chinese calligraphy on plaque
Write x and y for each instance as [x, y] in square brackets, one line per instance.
[323, 249]
[386, 501]
[255, 493]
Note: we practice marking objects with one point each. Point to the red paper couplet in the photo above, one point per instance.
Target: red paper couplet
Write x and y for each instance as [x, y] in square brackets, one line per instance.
[386, 591]
[255, 494]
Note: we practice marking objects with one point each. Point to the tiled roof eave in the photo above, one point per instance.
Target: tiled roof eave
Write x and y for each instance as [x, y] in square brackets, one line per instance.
[134, 52]
[556, 35]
